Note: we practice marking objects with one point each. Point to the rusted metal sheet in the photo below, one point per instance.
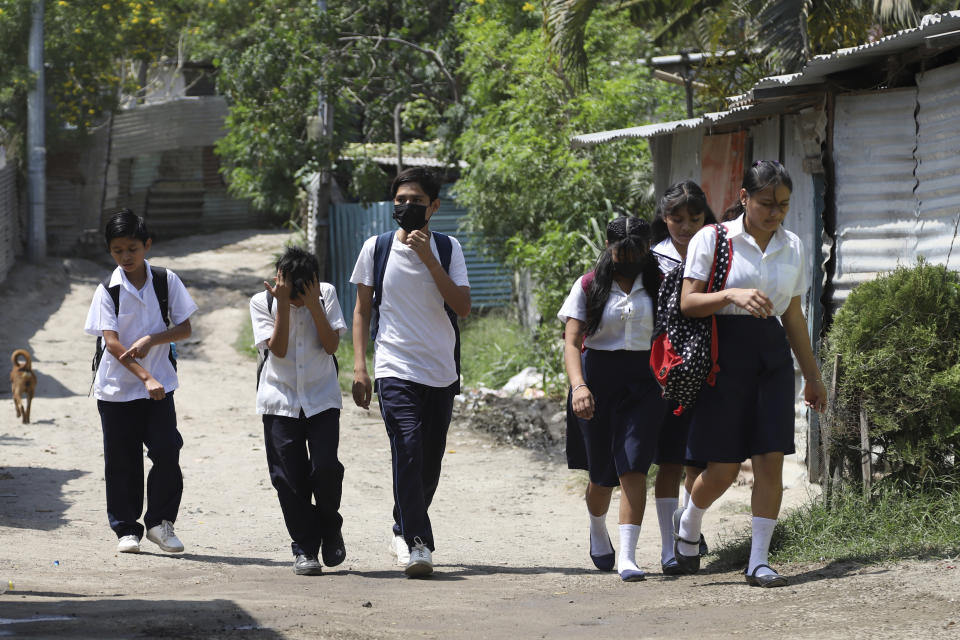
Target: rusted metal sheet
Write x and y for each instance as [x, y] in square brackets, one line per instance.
[179, 124]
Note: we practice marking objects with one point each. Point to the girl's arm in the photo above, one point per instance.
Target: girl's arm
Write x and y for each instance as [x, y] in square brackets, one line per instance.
[696, 303]
[582, 400]
[124, 356]
[814, 393]
[329, 338]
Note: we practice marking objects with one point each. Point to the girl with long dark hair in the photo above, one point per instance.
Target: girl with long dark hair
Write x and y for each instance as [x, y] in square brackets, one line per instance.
[614, 394]
[749, 413]
[681, 212]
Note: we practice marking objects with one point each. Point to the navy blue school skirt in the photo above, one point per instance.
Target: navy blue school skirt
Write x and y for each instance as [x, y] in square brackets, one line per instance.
[751, 409]
[622, 435]
[674, 432]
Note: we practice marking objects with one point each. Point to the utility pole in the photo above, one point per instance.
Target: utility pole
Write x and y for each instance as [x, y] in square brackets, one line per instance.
[36, 142]
[318, 223]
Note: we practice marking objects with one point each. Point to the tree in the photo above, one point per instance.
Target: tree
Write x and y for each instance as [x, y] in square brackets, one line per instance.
[366, 57]
[777, 36]
[533, 196]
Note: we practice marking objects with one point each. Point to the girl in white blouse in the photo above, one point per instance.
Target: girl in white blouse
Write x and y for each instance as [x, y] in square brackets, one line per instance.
[681, 212]
[614, 393]
[749, 412]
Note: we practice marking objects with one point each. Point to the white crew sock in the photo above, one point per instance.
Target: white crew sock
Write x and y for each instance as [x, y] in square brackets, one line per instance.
[684, 496]
[690, 530]
[665, 509]
[599, 538]
[760, 545]
[626, 560]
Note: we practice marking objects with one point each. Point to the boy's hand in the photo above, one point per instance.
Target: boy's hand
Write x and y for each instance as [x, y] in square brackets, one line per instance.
[138, 349]
[420, 243]
[281, 289]
[362, 389]
[154, 388]
[311, 295]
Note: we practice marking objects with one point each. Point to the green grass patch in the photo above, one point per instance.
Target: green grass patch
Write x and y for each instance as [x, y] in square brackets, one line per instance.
[493, 349]
[893, 525]
[244, 342]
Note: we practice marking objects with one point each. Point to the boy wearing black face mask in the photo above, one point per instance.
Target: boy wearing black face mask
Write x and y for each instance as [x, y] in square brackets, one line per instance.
[417, 275]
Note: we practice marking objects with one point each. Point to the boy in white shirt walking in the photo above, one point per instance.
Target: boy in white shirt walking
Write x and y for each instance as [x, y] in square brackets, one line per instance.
[297, 324]
[415, 283]
[135, 382]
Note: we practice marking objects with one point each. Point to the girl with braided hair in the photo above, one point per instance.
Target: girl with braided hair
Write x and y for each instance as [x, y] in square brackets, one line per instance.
[610, 312]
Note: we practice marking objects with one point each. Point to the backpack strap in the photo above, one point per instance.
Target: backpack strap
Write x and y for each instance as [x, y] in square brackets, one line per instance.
[160, 288]
[722, 258]
[445, 249]
[381, 251]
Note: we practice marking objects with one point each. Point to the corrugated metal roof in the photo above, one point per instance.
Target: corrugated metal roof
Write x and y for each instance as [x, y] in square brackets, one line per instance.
[197, 121]
[408, 161]
[814, 72]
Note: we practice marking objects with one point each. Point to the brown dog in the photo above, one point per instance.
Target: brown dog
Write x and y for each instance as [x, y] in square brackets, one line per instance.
[23, 382]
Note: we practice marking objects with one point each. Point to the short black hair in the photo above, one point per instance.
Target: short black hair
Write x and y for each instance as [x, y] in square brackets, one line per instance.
[124, 223]
[300, 266]
[427, 181]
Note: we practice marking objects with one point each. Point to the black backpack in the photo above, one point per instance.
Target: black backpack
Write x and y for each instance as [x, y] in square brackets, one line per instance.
[381, 252]
[684, 350]
[263, 354]
[159, 288]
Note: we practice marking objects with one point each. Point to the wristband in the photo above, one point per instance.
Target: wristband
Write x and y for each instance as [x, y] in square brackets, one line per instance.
[577, 387]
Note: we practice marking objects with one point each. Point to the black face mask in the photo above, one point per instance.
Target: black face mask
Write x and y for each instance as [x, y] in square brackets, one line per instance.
[627, 269]
[410, 216]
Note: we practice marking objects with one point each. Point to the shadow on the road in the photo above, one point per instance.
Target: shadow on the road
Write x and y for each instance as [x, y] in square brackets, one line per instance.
[835, 569]
[33, 496]
[231, 560]
[123, 618]
[460, 572]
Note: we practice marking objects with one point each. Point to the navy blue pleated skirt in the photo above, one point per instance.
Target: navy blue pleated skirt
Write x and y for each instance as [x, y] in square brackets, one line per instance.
[750, 411]
[674, 433]
[622, 435]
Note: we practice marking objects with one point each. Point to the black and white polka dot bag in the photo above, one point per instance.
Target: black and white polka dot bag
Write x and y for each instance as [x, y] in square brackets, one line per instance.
[684, 350]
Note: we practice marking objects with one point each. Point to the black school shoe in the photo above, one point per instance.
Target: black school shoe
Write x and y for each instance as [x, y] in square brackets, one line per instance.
[768, 580]
[686, 565]
[332, 550]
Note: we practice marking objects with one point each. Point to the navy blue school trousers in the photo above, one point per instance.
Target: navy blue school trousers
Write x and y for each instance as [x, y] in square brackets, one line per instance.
[127, 428]
[308, 477]
[417, 418]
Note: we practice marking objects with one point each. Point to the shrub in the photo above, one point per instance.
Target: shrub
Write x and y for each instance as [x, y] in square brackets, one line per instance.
[898, 338]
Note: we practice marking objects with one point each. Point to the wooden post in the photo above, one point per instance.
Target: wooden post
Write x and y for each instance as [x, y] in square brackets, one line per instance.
[865, 452]
[826, 430]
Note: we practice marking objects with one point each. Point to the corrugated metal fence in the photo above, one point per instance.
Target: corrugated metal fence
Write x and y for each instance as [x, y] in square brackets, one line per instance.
[351, 224]
[9, 219]
[898, 194]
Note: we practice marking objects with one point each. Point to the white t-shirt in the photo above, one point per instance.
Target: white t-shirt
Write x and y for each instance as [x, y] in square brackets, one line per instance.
[668, 258]
[627, 320]
[778, 271]
[139, 316]
[306, 378]
[415, 340]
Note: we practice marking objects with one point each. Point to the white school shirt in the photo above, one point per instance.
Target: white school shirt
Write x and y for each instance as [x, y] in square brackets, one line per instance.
[668, 258]
[778, 271]
[415, 340]
[627, 320]
[306, 378]
[139, 316]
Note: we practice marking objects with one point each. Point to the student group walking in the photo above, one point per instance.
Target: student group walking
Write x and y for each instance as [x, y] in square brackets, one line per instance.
[412, 286]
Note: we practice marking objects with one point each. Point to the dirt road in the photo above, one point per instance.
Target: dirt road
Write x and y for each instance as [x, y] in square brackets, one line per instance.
[510, 523]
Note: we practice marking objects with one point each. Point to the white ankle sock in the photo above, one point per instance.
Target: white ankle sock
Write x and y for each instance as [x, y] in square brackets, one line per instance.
[665, 509]
[599, 538]
[684, 496]
[760, 545]
[626, 560]
[690, 530]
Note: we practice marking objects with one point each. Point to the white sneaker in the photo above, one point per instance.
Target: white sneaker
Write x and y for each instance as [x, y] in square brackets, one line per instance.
[400, 549]
[164, 537]
[128, 544]
[421, 562]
